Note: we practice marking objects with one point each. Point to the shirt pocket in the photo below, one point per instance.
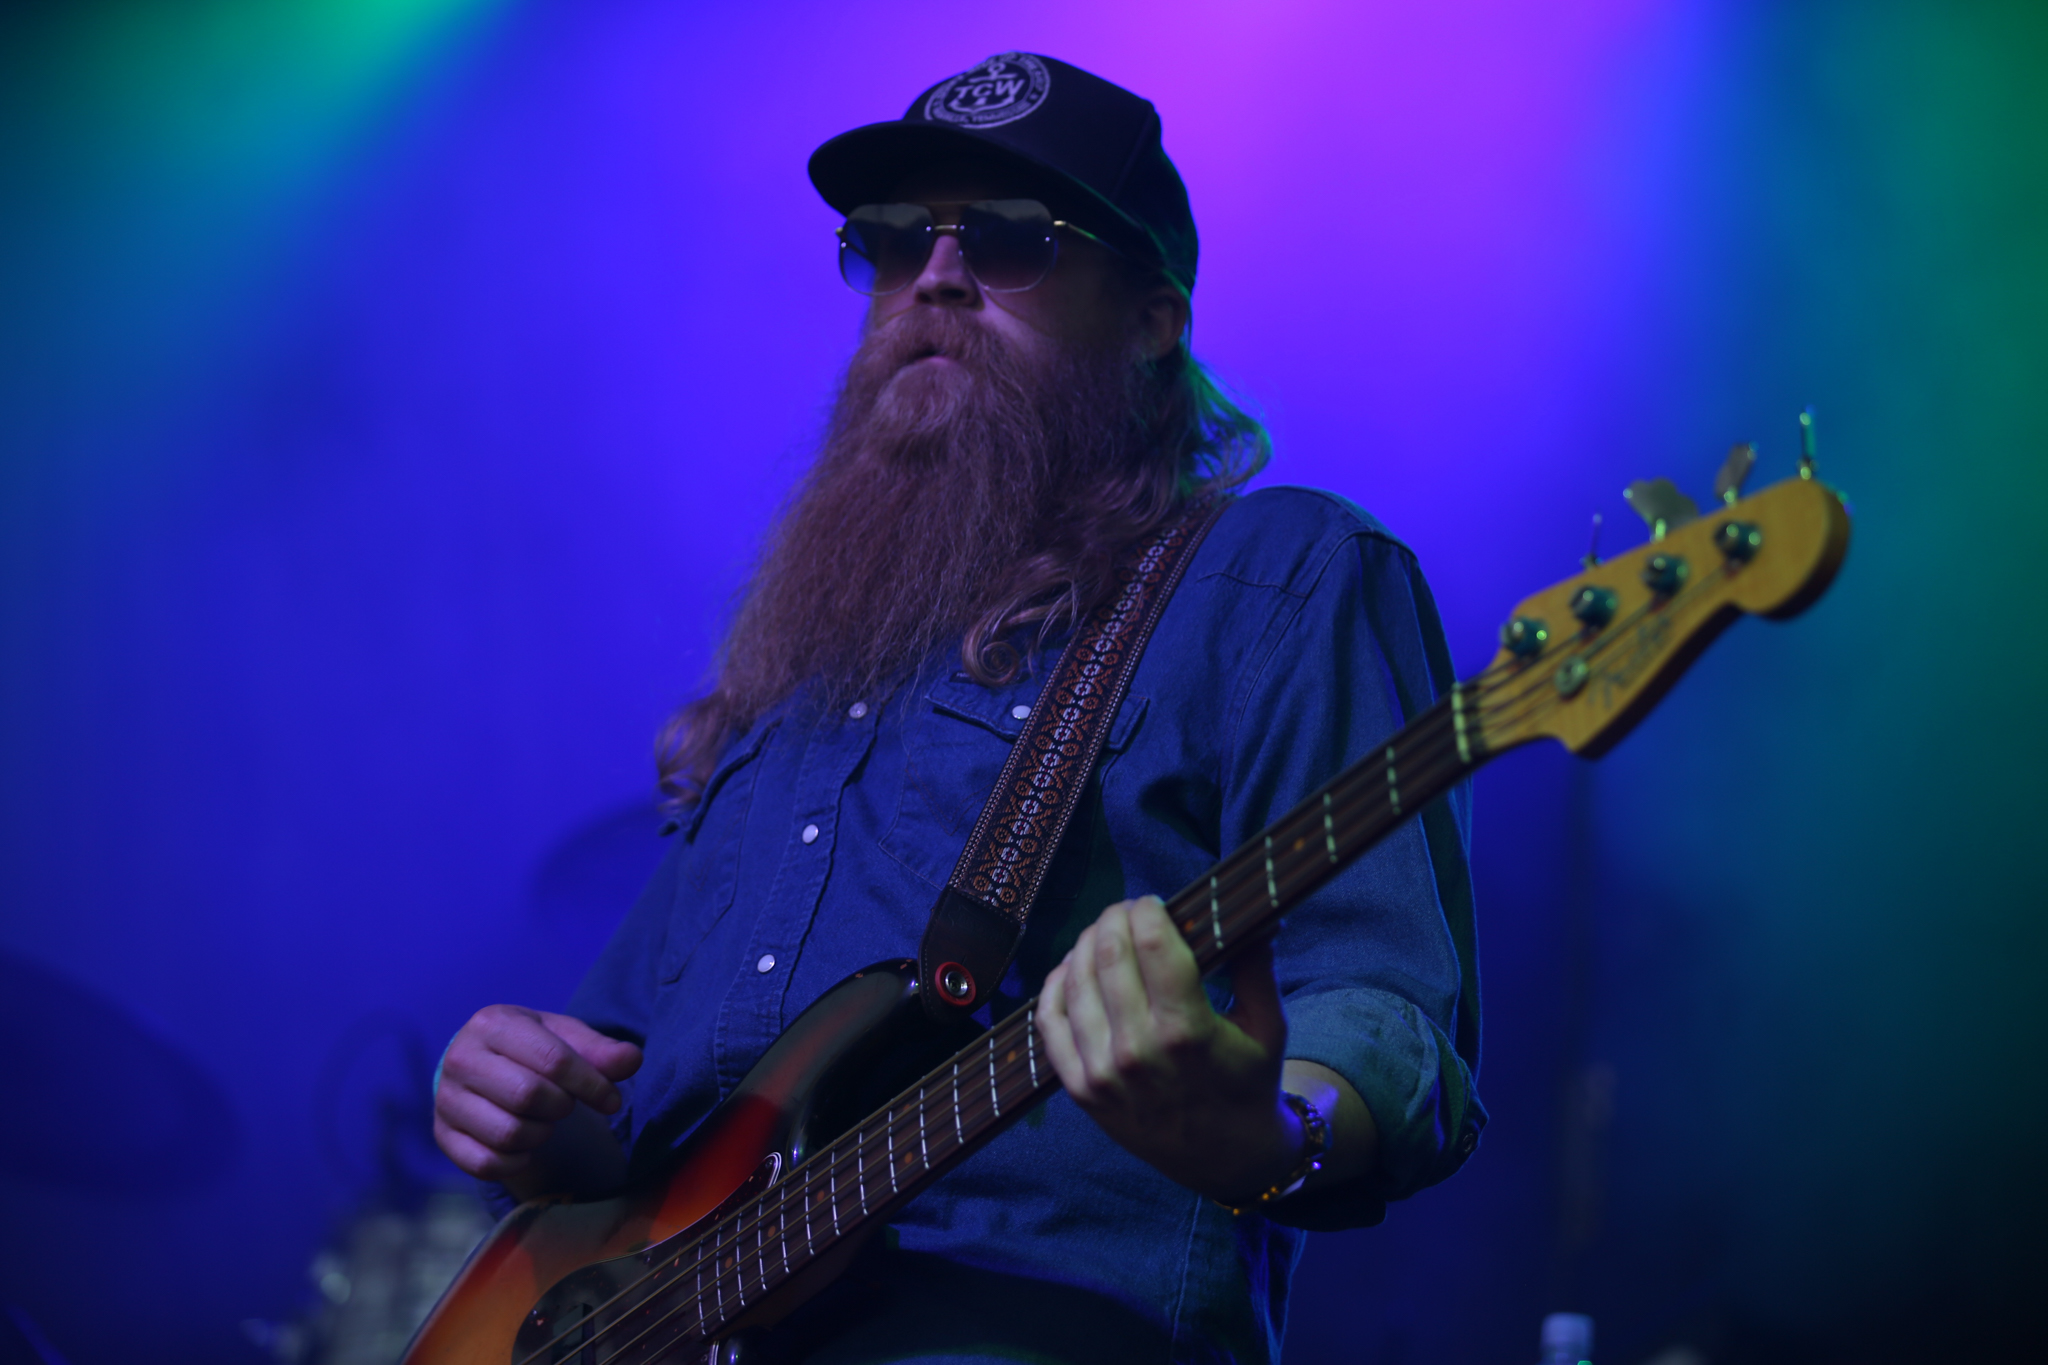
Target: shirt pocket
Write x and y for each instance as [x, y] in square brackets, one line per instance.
[956, 740]
[704, 891]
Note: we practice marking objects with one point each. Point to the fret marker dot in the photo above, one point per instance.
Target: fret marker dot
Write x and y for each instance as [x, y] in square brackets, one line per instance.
[766, 964]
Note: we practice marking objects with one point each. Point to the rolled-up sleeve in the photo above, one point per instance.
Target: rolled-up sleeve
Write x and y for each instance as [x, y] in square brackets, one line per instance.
[1378, 968]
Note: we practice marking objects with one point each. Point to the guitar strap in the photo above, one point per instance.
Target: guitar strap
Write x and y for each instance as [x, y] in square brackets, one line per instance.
[980, 916]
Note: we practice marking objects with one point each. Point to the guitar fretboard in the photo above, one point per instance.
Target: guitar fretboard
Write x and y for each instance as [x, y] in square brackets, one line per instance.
[860, 1179]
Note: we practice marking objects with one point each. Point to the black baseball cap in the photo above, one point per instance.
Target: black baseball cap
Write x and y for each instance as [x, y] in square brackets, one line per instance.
[1090, 149]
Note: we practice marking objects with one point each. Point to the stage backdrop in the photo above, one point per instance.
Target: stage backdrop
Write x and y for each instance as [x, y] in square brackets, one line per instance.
[391, 394]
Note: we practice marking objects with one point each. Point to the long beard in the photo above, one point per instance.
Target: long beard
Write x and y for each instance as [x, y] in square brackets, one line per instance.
[937, 483]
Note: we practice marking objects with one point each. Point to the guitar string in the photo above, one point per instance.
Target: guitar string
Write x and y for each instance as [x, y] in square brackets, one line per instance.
[1249, 866]
[1538, 690]
[861, 1155]
[978, 1104]
[739, 1226]
[839, 1153]
[1609, 636]
[869, 1155]
[892, 1127]
[989, 1101]
[859, 1152]
[731, 1234]
[650, 1273]
[1538, 683]
[1540, 687]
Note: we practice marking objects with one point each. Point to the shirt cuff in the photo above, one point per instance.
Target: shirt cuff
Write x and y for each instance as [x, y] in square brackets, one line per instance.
[1411, 1078]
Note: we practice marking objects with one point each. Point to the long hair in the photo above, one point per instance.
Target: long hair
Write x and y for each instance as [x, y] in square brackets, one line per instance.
[1190, 439]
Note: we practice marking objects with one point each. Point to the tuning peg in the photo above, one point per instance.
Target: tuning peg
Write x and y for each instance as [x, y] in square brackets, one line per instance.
[1735, 472]
[1658, 502]
[1591, 559]
[1808, 446]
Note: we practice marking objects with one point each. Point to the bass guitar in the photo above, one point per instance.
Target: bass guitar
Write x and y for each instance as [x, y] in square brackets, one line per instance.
[863, 1102]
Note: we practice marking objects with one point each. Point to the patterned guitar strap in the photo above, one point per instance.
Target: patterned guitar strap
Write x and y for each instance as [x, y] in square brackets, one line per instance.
[980, 916]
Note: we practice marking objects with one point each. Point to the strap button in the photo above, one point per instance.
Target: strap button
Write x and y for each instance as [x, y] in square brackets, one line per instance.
[955, 983]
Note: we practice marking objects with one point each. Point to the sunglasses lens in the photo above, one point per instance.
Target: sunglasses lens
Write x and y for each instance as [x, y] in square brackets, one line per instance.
[883, 246]
[1009, 243]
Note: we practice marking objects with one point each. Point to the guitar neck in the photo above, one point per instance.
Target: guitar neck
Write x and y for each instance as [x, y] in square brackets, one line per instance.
[1663, 603]
[1243, 897]
[864, 1176]
[1640, 620]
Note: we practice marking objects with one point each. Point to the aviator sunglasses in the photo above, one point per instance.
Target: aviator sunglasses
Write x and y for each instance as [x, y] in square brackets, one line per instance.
[1009, 245]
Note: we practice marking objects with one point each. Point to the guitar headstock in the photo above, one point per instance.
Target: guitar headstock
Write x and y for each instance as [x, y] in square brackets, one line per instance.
[1581, 662]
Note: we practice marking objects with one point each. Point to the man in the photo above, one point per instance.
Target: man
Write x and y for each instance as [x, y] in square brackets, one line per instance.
[1022, 407]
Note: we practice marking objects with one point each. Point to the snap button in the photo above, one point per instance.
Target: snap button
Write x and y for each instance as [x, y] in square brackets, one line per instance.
[766, 964]
[1020, 711]
[810, 834]
[857, 710]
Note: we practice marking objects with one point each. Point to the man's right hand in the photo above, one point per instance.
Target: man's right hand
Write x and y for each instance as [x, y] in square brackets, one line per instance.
[510, 1076]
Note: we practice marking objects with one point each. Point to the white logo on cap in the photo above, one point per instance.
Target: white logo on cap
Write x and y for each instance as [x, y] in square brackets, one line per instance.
[1001, 90]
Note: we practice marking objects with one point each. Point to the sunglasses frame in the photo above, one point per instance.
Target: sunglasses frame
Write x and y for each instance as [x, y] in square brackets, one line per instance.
[934, 229]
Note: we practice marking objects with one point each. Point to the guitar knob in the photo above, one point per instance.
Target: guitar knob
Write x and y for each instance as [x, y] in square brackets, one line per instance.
[1524, 637]
[1664, 574]
[1739, 540]
[1593, 606]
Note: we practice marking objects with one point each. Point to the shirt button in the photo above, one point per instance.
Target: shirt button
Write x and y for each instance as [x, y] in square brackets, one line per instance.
[810, 834]
[857, 710]
[766, 964]
[1019, 711]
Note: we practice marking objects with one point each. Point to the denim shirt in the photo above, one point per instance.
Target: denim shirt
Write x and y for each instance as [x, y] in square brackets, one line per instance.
[1302, 636]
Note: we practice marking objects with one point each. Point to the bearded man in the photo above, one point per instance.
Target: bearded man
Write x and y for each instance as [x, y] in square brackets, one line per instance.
[1022, 408]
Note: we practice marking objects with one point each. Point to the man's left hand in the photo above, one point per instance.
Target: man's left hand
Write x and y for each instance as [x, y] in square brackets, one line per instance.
[1138, 1046]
